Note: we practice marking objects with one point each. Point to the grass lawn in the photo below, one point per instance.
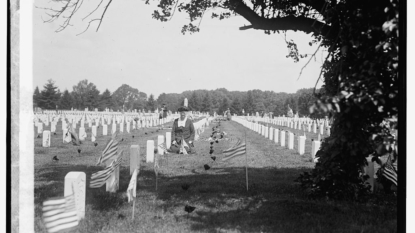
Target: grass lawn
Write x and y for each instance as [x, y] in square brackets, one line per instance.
[274, 202]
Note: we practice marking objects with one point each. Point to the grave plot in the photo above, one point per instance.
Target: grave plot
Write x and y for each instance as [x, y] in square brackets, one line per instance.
[196, 192]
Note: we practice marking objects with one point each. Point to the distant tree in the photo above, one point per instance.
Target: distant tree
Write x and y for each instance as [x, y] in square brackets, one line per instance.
[224, 105]
[93, 98]
[85, 94]
[279, 109]
[206, 103]
[236, 107]
[249, 103]
[36, 97]
[49, 96]
[105, 100]
[151, 103]
[194, 102]
[66, 101]
[125, 96]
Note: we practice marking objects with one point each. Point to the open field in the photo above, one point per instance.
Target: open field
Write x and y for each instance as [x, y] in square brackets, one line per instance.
[274, 202]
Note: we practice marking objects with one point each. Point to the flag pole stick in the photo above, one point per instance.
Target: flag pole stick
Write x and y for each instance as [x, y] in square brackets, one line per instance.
[246, 164]
[133, 208]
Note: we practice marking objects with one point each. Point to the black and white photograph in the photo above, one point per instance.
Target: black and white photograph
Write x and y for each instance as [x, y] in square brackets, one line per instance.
[208, 116]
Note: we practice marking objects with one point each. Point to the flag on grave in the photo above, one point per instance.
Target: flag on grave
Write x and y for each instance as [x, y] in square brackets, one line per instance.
[109, 151]
[236, 150]
[60, 214]
[74, 136]
[182, 148]
[132, 186]
[98, 179]
[389, 172]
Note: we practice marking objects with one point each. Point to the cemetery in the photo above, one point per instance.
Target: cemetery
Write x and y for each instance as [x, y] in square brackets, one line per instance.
[152, 190]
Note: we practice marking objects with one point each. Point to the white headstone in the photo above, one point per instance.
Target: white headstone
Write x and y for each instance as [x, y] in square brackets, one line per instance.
[114, 128]
[64, 131]
[53, 127]
[39, 127]
[134, 158]
[128, 127]
[282, 138]
[94, 130]
[271, 133]
[113, 183]
[160, 140]
[314, 127]
[46, 138]
[370, 171]
[276, 134]
[290, 140]
[150, 151]
[266, 130]
[168, 140]
[301, 145]
[82, 134]
[121, 127]
[321, 129]
[315, 146]
[75, 182]
[104, 129]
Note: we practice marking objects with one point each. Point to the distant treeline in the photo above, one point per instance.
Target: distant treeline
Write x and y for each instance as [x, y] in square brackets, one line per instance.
[86, 95]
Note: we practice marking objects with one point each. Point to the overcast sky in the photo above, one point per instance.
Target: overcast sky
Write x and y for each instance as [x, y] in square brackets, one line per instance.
[154, 57]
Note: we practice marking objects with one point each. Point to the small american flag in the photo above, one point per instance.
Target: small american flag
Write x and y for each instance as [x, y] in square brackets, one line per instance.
[98, 179]
[60, 214]
[389, 172]
[109, 151]
[236, 150]
[132, 186]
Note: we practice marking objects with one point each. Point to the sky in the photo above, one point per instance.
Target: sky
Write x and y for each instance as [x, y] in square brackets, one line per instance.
[155, 57]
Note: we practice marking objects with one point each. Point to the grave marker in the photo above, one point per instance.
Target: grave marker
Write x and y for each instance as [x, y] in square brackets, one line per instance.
[104, 129]
[315, 146]
[290, 140]
[160, 140]
[134, 158]
[301, 145]
[150, 151]
[46, 138]
[75, 182]
[282, 138]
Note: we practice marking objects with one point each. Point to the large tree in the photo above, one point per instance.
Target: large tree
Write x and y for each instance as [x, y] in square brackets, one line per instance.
[361, 84]
[65, 101]
[49, 96]
[85, 95]
[36, 97]
[105, 100]
[125, 96]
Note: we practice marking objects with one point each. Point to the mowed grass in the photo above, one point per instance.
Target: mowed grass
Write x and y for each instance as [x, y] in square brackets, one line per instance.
[273, 203]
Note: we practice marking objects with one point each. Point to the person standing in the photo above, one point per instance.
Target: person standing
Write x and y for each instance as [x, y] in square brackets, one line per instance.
[183, 133]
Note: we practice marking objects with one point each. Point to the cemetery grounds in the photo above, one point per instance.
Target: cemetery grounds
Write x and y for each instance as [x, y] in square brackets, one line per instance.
[273, 203]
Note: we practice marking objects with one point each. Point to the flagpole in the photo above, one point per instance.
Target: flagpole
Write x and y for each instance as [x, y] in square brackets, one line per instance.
[133, 208]
[246, 163]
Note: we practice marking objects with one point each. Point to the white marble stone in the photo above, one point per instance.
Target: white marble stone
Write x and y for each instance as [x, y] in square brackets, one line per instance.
[282, 138]
[160, 140]
[134, 158]
[290, 140]
[315, 146]
[75, 182]
[168, 140]
[301, 145]
[276, 135]
[46, 138]
[104, 129]
[150, 151]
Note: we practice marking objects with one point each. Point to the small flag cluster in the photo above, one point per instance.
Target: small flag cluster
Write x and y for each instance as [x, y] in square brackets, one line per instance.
[238, 149]
[98, 179]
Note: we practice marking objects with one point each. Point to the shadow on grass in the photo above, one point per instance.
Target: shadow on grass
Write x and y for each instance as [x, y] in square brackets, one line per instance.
[274, 202]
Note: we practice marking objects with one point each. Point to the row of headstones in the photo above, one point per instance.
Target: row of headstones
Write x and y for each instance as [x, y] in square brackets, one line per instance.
[279, 137]
[47, 134]
[271, 133]
[311, 126]
[76, 181]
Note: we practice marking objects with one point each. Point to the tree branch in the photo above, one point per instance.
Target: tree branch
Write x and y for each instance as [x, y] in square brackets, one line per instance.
[307, 25]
